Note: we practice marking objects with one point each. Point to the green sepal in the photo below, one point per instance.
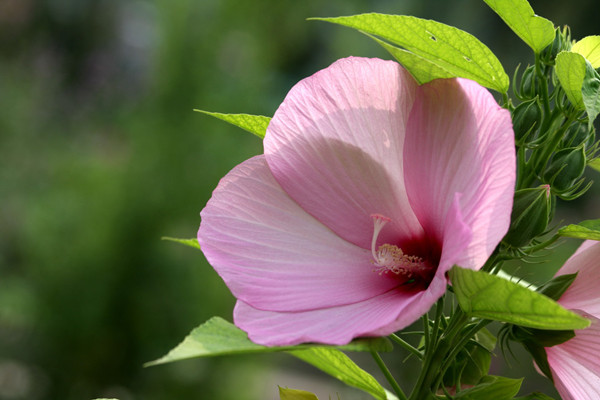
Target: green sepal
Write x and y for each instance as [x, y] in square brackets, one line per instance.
[488, 296]
[295, 394]
[491, 387]
[536, 31]
[255, 124]
[451, 49]
[557, 286]
[217, 337]
[187, 242]
[588, 229]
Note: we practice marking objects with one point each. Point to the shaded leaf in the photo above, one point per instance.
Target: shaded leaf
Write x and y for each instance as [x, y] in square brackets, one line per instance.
[256, 124]
[341, 367]
[491, 387]
[590, 92]
[595, 164]
[536, 31]
[535, 396]
[589, 47]
[488, 296]
[294, 394]
[588, 229]
[218, 337]
[449, 48]
[188, 242]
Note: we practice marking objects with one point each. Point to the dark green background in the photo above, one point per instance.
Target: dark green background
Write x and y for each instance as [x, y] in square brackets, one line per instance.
[101, 155]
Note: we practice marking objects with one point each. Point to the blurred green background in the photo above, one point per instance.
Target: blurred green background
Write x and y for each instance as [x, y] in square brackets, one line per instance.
[101, 155]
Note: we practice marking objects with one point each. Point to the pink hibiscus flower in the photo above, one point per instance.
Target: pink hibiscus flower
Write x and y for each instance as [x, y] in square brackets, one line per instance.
[575, 364]
[371, 187]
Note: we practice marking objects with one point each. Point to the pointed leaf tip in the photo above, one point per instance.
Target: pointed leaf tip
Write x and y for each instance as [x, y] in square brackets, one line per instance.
[255, 124]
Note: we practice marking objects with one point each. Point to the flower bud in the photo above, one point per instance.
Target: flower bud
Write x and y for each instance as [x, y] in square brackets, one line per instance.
[530, 216]
[561, 42]
[527, 87]
[567, 165]
[578, 134]
[527, 118]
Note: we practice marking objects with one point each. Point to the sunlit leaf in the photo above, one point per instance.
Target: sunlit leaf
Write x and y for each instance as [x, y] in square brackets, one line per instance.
[422, 70]
[341, 367]
[491, 387]
[570, 70]
[589, 47]
[589, 229]
[218, 337]
[595, 164]
[536, 31]
[488, 296]
[449, 48]
[256, 124]
[294, 394]
[187, 242]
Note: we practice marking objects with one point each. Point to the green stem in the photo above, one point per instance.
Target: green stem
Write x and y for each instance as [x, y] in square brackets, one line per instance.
[388, 376]
[406, 345]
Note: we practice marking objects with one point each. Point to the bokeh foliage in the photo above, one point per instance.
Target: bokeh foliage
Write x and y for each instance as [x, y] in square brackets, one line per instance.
[101, 155]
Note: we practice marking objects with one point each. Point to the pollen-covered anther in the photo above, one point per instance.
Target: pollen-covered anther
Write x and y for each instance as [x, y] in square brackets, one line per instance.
[390, 258]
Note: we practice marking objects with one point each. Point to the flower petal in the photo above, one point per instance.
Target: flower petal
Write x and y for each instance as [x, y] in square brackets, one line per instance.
[377, 316]
[459, 140]
[575, 365]
[335, 146]
[275, 256]
[583, 294]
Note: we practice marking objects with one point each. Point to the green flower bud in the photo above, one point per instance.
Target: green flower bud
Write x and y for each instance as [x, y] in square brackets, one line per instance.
[530, 216]
[567, 165]
[578, 134]
[527, 118]
[527, 87]
[561, 42]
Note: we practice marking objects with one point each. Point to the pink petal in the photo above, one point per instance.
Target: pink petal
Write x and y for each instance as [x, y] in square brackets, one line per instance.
[575, 364]
[275, 256]
[584, 293]
[377, 316]
[459, 140]
[335, 145]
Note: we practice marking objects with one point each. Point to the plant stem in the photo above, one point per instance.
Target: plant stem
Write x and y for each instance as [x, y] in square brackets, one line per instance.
[406, 345]
[388, 376]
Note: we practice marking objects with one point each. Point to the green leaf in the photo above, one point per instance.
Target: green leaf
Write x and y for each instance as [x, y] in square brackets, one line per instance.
[449, 48]
[535, 396]
[188, 242]
[588, 229]
[589, 47]
[536, 31]
[491, 387]
[557, 286]
[580, 82]
[595, 164]
[488, 296]
[341, 367]
[294, 394]
[422, 70]
[570, 70]
[590, 92]
[256, 124]
[218, 337]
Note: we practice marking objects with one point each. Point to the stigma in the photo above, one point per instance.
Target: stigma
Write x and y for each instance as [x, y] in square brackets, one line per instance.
[390, 259]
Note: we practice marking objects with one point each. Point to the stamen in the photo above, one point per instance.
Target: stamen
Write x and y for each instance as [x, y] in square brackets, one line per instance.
[390, 258]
